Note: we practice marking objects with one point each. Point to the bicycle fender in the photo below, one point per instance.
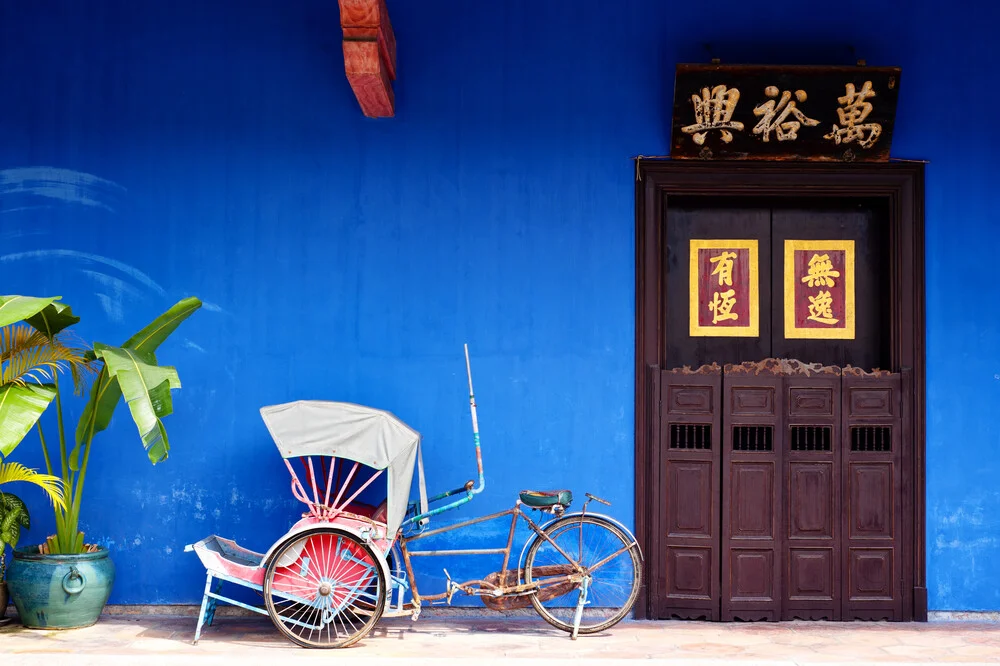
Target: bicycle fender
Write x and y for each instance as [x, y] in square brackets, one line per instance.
[577, 514]
[297, 531]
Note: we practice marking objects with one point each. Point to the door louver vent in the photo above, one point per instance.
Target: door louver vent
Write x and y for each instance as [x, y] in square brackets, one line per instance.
[691, 436]
[753, 438]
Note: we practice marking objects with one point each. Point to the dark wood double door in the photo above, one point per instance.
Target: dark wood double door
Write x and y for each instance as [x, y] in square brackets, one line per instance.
[782, 489]
[779, 460]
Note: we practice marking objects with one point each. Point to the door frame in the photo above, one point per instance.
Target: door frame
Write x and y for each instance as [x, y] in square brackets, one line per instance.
[901, 183]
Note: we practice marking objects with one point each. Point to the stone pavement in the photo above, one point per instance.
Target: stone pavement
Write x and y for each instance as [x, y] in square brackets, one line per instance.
[148, 640]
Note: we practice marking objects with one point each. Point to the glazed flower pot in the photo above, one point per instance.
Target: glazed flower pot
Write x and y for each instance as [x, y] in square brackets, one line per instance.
[60, 591]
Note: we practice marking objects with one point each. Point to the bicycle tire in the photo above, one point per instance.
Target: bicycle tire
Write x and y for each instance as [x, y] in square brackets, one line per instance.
[559, 527]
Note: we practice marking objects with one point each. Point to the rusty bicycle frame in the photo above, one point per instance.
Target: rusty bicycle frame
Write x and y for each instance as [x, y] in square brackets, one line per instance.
[573, 573]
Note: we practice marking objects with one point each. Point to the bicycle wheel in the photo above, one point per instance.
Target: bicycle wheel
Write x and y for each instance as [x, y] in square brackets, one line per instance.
[324, 589]
[610, 561]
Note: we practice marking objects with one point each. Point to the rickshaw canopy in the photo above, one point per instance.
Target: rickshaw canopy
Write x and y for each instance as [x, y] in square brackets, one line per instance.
[366, 435]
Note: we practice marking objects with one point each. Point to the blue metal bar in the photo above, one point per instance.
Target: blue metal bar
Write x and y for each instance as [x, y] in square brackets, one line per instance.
[441, 509]
[238, 603]
[467, 551]
[204, 607]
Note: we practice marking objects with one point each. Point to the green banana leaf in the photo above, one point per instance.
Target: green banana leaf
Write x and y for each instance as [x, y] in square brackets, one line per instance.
[18, 308]
[20, 408]
[13, 516]
[106, 391]
[53, 318]
[146, 387]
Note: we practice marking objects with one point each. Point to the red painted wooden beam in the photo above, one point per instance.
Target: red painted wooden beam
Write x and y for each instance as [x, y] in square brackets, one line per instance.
[369, 55]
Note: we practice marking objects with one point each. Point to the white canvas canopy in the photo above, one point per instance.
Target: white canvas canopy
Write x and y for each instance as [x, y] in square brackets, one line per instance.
[372, 437]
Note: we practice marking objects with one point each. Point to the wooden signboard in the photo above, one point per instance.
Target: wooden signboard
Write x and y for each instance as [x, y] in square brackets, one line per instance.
[765, 112]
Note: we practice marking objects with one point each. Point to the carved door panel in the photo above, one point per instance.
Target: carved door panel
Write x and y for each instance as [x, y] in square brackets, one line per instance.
[689, 439]
[812, 517]
[751, 492]
[872, 445]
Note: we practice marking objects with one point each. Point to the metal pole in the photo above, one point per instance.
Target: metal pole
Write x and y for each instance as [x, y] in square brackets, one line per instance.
[475, 424]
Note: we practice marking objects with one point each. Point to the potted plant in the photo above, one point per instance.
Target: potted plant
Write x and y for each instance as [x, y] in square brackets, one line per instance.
[65, 582]
[14, 513]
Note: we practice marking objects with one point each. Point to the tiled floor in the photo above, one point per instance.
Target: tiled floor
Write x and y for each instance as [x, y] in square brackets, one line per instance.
[147, 640]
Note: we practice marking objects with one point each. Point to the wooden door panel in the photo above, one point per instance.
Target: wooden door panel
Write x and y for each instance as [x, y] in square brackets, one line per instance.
[870, 402]
[812, 519]
[872, 522]
[870, 575]
[688, 460]
[871, 500]
[815, 401]
[752, 401]
[690, 483]
[812, 578]
[810, 500]
[752, 500]
[690, 577]
[751, 494]
[692, 400]
[752, 583]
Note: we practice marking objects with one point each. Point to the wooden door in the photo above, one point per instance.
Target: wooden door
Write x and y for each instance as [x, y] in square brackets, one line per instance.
[690, 437]
[812, 507]
[873, 506]
[752, 416]
[846, 523]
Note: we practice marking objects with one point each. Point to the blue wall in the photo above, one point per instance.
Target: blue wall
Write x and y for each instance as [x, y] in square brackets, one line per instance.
[151, 150]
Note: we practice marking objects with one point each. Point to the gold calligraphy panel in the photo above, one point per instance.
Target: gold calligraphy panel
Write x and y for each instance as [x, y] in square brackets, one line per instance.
[724, 289]
[819, 289]
[778, 112]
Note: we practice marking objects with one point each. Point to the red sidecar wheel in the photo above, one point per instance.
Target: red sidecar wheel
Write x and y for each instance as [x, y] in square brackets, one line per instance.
[324, 588]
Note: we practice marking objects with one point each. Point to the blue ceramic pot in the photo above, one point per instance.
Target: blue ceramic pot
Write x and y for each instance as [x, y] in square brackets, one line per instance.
[59, 591]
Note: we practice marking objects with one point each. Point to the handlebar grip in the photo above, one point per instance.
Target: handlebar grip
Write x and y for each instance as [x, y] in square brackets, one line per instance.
[598, 499]
[469, 485]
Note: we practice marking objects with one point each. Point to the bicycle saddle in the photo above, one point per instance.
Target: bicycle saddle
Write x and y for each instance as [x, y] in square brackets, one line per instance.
[542, 499]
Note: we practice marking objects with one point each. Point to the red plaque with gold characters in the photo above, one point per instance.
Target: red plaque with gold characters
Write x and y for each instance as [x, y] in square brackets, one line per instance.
[724, 298]
[819, 289]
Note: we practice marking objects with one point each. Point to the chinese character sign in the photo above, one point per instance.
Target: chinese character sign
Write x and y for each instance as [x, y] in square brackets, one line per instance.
[724, 296]
[781, 113]
[819, 289]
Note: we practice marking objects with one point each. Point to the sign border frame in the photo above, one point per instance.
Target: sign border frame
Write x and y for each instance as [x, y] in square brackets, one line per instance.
[793, 332]
[696, 330]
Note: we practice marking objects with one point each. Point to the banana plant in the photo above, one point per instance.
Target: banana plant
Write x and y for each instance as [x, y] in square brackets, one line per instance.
[32, 362]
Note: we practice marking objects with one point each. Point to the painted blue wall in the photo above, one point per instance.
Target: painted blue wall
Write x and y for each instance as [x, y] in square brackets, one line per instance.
[152, 150]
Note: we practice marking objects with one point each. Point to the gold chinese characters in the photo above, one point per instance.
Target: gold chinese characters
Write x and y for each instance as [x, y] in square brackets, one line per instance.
[724, 289]
[819, 289]
[781, 116]
[714, 111]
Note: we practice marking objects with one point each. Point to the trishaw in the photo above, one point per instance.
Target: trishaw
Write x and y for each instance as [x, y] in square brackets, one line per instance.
[346, 564]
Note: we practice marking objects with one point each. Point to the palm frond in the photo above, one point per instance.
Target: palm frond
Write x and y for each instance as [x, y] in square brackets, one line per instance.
[29, 356]
[17, 337]
[52, 485]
